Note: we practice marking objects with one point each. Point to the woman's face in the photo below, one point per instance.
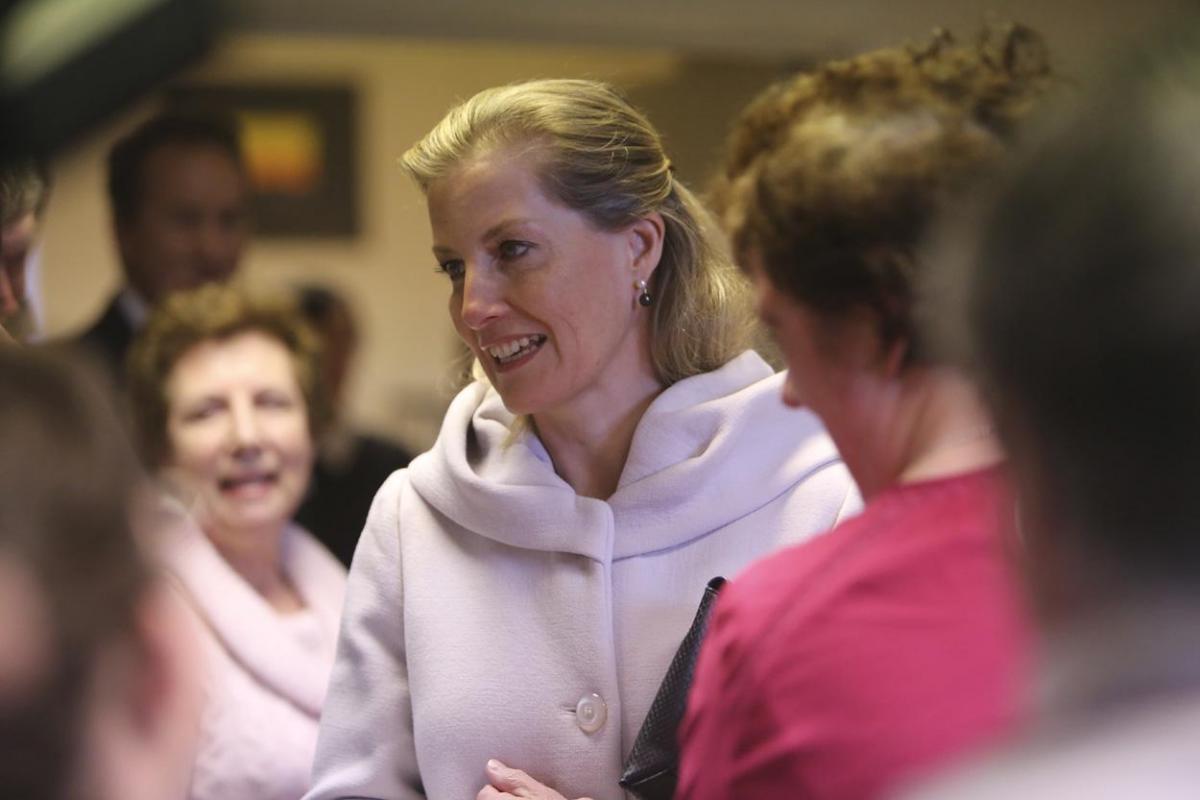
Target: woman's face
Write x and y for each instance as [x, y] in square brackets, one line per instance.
[545, 300]
[828, 363]
[238, 433]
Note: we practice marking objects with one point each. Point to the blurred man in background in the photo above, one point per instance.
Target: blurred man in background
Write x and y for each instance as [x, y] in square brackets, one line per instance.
[179, 200]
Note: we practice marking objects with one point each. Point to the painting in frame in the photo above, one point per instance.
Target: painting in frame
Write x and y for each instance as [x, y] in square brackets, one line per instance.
[299, 144]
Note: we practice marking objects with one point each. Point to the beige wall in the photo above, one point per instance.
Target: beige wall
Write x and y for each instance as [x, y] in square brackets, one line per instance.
[404, 373]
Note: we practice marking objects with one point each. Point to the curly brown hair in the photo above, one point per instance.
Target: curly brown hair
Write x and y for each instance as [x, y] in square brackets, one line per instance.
[832, 177]
[212, 312]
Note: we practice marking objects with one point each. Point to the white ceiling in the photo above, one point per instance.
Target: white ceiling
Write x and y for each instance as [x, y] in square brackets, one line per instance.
[766, 29]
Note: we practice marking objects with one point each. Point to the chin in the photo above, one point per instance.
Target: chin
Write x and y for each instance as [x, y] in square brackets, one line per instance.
[518, 407]
[525, 402]
[263, 520]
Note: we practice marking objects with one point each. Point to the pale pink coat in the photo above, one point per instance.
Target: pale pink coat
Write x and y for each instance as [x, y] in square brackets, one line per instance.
[488, 603]
[266, 673]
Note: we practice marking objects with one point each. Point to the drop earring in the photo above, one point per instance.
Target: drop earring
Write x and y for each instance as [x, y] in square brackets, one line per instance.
[644, 297]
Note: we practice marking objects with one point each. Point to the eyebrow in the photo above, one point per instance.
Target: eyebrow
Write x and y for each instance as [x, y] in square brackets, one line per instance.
[492, 232]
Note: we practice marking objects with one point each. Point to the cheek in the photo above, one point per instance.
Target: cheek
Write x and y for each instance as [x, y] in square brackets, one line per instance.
[192, 450]
[454, 308]
[296, 441]
[597, 312]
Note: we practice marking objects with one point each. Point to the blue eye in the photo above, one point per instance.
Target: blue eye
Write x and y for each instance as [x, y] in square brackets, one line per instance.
[453, 269]
[511, 248]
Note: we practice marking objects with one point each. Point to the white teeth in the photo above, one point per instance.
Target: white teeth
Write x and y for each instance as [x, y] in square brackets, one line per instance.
[506, 351]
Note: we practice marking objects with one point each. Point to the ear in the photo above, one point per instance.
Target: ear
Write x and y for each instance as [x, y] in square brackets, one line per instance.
[861, 345]
[894, 354]
[645, 238]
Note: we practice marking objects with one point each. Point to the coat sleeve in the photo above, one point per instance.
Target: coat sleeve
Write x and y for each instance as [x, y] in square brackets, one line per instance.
[365, 749]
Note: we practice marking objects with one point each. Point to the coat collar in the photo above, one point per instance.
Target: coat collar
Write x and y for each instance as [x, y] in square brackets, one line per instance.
[246, 626]
[708, 450]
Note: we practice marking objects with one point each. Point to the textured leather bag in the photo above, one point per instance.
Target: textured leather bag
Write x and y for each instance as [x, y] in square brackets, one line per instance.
[652, 769]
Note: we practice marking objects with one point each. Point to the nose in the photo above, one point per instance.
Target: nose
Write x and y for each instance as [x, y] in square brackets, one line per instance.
[482, 297]
[245, 432]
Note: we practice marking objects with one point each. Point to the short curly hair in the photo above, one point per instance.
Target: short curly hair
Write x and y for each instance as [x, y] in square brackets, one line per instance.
[832, 177]
[213, 312]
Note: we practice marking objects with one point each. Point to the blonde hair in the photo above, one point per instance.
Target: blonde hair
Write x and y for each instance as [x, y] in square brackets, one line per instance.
[601, 157]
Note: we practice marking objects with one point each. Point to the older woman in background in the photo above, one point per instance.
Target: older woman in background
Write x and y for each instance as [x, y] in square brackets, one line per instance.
[843, 667]
[519, 591]
[224, 393]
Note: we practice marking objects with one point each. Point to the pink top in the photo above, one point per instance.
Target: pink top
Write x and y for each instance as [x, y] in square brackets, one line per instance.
[850, 664]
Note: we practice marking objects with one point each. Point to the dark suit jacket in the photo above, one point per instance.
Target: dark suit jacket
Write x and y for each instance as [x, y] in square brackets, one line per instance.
[108, 340]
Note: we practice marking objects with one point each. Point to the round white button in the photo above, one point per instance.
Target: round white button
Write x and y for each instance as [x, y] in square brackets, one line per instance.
[591, 713]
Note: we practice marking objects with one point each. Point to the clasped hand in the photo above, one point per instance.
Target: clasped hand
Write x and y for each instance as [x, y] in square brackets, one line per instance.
[506, 783]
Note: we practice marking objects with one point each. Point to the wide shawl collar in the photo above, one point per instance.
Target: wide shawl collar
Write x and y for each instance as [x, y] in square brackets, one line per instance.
[709, 450]
[246, 625]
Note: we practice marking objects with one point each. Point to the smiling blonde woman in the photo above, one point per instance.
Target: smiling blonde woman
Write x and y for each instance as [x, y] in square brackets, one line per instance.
[519, 591]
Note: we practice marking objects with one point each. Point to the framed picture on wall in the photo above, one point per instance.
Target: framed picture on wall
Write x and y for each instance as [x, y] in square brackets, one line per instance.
[299, 144]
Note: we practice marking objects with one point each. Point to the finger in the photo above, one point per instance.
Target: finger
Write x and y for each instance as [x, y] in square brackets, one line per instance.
[492, 793]
[518, 782]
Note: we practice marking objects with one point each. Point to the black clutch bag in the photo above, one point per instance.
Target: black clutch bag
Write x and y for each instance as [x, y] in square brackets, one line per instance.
[652, 769]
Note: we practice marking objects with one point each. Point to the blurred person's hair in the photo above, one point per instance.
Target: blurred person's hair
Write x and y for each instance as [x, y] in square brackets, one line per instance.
[601, 157]
[1084, 307]
[318, 304]
[24, 186]
[127, 158]
[68, 478]
[833, 176]
[213, 312]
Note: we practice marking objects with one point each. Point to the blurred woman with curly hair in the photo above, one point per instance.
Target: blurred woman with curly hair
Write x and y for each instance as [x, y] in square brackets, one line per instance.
[846, 665]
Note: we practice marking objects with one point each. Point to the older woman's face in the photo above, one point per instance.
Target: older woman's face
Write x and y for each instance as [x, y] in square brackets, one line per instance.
[544, 299]
[238, 433]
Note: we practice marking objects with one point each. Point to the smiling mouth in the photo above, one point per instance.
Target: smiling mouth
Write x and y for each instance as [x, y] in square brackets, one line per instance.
[248, 483]
[515, 350]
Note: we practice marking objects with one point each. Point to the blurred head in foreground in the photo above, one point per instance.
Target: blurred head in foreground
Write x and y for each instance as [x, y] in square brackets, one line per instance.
[98, 695]
[1085, 317]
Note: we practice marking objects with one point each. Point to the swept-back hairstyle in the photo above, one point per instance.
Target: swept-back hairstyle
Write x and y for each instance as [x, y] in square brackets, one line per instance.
[833, 176]
[596, 154]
